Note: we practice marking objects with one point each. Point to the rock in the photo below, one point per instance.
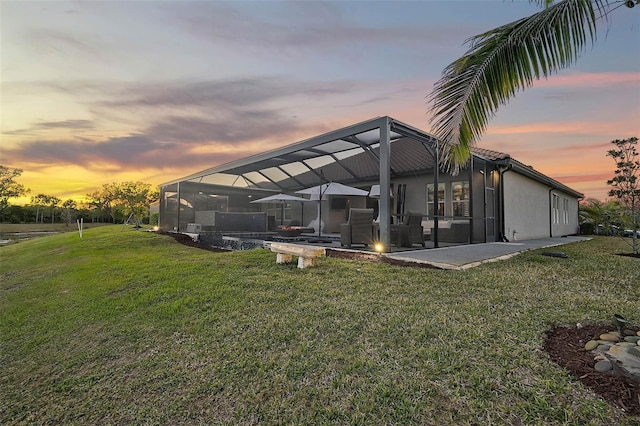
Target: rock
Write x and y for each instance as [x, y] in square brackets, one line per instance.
[638, 333]
[603, 366]
[625, 344]
[599, 358]
[591, 345]
[626, 361]
[632, 339]
[603, 348]
[609, 337]
[616, 350]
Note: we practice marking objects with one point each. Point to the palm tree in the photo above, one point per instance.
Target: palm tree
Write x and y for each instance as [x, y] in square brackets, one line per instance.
[507, 59]
[604, 217]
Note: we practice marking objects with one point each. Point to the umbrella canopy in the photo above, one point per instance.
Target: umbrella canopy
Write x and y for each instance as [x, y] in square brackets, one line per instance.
[333, 188]
[280, 198]
[319, 192]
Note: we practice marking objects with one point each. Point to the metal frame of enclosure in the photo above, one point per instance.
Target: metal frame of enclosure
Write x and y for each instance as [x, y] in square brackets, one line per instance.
[377, 151]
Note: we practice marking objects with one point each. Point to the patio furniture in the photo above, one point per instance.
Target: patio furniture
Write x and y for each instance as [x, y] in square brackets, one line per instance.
[306, 254]
[359, 229]
[456, 232]
[409, 232]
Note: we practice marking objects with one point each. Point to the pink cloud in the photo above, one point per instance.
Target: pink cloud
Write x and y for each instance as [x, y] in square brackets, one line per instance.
[568, 127]
[591, 79]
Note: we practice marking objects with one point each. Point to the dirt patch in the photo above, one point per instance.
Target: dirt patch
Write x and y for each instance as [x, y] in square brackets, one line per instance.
[565, 345]
[188, 241]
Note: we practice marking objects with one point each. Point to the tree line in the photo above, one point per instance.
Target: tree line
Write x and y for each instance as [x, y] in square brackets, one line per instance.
[115, 202]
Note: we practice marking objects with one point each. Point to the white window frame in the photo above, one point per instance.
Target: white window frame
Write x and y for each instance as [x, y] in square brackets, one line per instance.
[565, 210]
[555, 211]
[431, 199]
[464, 202]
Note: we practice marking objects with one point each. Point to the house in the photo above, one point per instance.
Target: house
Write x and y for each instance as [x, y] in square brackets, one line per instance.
[494, 198]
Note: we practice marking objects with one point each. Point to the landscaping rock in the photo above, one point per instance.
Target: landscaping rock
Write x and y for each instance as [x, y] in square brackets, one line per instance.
[615, 350]
[591, 345]
[609, 337]
[603, 366]
[632, 339]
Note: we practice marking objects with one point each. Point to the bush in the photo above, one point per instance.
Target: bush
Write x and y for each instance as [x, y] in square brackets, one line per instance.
[587, 228]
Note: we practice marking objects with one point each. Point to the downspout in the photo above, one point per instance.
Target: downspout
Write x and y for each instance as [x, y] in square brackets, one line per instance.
[578, 231]
[550, 213]
[501, 172]
[178, 209]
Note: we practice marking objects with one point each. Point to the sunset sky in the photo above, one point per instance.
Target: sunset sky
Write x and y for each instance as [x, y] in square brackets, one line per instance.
[110, 91]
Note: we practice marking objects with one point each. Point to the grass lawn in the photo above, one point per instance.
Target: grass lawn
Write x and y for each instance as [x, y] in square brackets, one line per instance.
[126, 326]
[46, 227]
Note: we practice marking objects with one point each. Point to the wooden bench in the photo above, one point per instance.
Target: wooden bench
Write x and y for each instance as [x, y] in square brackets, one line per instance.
[306, 254]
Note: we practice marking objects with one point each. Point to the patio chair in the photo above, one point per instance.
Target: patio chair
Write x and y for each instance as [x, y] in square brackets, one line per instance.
[409, 232]
[359, 228]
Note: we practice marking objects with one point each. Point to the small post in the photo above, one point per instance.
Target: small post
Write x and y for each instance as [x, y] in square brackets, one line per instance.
[80, 224]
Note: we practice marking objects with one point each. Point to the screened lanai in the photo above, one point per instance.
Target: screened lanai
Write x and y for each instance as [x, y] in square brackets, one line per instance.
[381, 151]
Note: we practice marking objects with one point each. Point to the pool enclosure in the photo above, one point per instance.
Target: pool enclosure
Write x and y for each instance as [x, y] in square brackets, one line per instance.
[394, 162]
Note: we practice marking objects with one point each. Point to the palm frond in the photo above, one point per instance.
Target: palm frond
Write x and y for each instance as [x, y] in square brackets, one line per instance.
[501, 62]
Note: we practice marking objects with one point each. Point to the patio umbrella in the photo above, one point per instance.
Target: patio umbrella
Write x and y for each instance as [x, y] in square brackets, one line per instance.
[319, 193]
[282, 199]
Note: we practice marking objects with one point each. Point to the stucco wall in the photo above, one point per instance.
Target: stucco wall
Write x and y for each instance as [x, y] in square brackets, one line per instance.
[526, 207]
[527, 210]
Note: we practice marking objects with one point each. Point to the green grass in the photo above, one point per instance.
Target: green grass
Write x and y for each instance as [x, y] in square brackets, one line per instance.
[127, 327]
[46, 227]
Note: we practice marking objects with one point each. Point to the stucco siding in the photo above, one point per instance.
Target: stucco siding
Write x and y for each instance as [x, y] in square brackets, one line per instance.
[526, 207]
[529, 209]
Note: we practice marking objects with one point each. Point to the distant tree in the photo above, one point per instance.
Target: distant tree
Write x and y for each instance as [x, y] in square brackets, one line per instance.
[52, 203]
[136, 197]
[9, 188]
[39, 202]
[68, 214]
[100, 204]
[625, 185]
[44, 202]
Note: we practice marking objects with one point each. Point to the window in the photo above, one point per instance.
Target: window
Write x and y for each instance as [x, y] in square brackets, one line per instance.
[565, 211]
[431, 199]
[460, 198]
[555, 212]
[277, 211]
